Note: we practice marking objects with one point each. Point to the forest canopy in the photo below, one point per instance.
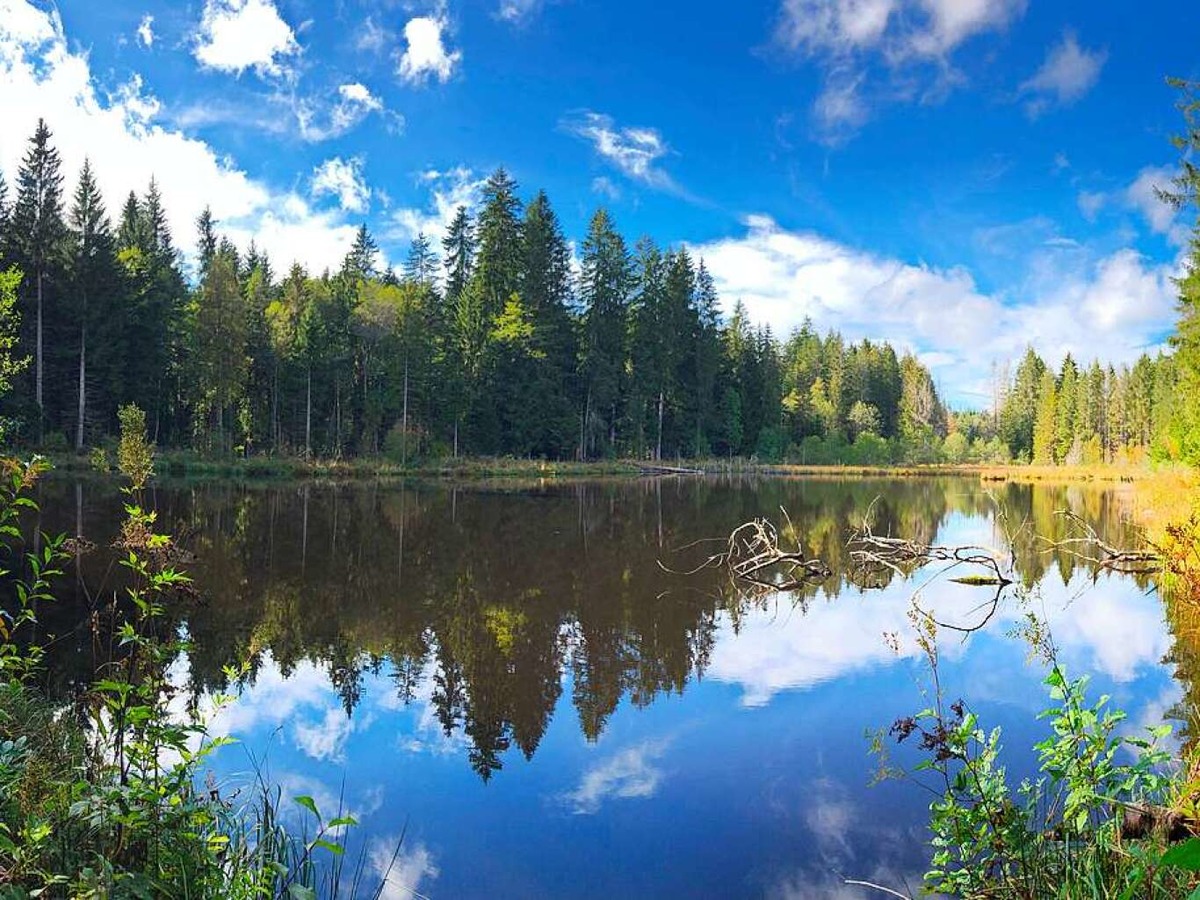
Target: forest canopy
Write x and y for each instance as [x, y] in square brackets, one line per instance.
[497, 342]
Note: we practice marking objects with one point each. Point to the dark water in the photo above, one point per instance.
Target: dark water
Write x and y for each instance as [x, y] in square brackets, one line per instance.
[509, 678]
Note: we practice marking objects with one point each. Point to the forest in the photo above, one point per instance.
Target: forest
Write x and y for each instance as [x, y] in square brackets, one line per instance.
[497, 343]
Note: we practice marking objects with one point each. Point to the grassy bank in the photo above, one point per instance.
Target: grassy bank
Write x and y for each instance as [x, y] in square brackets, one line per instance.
[105, 796]
[185, 464]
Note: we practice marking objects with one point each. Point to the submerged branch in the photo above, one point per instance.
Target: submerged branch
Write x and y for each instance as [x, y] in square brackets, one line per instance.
[752, 556]
[1087, 546]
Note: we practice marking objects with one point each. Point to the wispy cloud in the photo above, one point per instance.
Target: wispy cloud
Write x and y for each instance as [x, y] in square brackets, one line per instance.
[145, 31]
[1067, 74]
[236, 35]
[372, 37]
[1142, 195]
[343, 179]
[877, 51]
[446, 192]
[519, 12]
[401, 866]
[635, 152]
[630, 774]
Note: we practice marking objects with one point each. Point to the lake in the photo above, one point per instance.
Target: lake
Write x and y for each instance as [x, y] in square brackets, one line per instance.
[506, 682]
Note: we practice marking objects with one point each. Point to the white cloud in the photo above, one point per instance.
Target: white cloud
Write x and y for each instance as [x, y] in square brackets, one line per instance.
[630, 774]
[342, 178]
[518, 11]
[910, 38]
[634, 151]
[425, 53]
[603, 185]
[236, 35]
[325, 739]
[1090, 204]
[372, 37]
[1142, 197]
[321, 119]
[42, 77]
[402, 870]
[840, 109]
[1069, 72]
[145, 31]
[1114, 308]
[448, 191]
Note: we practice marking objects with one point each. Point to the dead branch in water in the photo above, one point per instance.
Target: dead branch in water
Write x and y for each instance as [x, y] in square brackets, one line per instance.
[877, 555]
[752, 555]
[1087, 546]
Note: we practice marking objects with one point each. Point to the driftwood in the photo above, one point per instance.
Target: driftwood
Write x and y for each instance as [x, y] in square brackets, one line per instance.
[752, 556]
[649, 469]
[1087, 546]
[876, 555]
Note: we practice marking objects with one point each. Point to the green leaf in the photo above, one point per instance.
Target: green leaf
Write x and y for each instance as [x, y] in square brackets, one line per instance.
[1184, 856]
[300, 892]
[309, 804]
[343, 820]
[335, 849]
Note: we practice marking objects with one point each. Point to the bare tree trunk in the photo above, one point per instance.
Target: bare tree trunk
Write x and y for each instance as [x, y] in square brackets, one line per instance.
[308, 417]
[275, 408]
[658, 449]
[41, 412]
[82, 379]
[404, 419]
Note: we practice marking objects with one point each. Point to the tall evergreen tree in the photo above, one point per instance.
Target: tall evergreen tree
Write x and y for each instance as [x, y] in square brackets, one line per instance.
[94, 273]
[458, 254]
[422, 263]
[1045, 435]
[604, 290]
[546, 293]
[498, 262]
[36, 233]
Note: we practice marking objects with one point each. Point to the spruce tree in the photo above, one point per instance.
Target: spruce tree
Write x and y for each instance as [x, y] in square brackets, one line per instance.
[498, 263]
[604, 290]
[94, 273]
[36, 232]
[458, 254]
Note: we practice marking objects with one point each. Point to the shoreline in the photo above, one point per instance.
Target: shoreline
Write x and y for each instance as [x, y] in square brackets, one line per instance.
[175, 465]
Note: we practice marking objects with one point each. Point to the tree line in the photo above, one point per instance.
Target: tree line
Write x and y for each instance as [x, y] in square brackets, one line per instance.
[496, 343]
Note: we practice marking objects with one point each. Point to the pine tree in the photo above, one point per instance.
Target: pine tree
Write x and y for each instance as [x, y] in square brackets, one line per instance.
[498, 263]
[36, 232]
[206, 244]
[459, 254]
[604, 290]
[218, 329]
[1045, 422]
[1066, 411]
[94, 272]
[546, 291]
[708, 359]
[360, 262]
[422, 263]
[1020, 406]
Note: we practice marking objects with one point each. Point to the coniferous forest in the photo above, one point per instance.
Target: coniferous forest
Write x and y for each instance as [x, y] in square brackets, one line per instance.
[497, 342]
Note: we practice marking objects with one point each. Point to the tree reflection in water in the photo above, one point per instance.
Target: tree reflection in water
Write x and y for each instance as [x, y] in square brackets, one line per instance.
[493, 595]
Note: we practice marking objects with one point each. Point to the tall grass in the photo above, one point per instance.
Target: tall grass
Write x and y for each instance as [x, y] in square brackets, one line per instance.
[104, 797]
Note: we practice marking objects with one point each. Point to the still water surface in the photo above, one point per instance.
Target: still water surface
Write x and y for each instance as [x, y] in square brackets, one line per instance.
[508, 678]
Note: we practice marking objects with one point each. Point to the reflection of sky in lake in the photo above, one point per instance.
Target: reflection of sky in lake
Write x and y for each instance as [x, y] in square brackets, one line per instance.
[753, 782]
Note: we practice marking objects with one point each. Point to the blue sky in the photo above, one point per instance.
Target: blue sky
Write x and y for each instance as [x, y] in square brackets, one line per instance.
[961, 176]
